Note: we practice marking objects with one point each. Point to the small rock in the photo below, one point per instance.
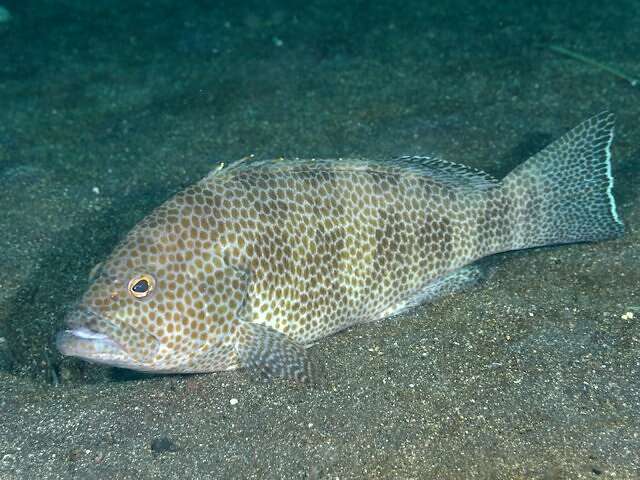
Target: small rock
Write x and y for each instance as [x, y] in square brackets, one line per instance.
[163, 444]
[74, 455]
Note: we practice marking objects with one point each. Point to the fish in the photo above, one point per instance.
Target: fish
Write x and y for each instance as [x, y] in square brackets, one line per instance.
[260, 259]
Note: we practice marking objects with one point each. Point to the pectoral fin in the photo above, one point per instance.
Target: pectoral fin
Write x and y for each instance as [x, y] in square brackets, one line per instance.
[274, 354]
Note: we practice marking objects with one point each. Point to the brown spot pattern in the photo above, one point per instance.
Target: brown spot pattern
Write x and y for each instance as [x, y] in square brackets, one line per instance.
[310, 247]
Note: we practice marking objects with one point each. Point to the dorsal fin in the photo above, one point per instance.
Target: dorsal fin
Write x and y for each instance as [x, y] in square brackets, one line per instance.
[446, 172]
[442, 171]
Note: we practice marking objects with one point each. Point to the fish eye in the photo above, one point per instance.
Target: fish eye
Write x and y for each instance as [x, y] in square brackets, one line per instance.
[141, 286]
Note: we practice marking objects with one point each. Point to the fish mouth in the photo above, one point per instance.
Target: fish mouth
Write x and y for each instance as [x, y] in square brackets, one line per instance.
[89, 345]
[82, 342]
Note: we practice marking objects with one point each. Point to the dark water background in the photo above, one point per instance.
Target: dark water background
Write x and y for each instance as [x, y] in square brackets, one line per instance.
[109, 107]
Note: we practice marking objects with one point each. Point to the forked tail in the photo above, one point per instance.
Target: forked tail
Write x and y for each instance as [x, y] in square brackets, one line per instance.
[564, 193]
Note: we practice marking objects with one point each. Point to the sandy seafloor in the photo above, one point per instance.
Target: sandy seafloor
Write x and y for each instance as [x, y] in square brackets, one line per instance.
[105, 111]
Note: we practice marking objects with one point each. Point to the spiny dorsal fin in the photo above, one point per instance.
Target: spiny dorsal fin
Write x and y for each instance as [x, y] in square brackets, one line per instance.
[447, 172]
[248, 162]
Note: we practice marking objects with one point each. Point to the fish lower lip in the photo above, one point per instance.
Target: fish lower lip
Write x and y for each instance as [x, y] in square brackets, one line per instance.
[85, 343]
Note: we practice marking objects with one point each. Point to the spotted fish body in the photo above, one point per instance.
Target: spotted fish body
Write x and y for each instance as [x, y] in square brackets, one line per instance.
[258, 260]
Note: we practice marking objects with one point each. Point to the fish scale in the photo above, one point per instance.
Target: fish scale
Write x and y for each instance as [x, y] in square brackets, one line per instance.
[255, 262]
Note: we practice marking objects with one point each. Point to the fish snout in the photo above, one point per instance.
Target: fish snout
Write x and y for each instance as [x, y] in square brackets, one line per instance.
[80, 340]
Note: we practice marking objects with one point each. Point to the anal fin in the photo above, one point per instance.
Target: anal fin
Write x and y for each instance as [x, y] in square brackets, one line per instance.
[452, 282]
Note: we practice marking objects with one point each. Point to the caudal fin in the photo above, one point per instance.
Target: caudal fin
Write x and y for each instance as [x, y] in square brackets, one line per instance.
[564, 193]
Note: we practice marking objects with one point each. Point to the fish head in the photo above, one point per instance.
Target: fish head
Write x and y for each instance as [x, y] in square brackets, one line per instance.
[155, 306]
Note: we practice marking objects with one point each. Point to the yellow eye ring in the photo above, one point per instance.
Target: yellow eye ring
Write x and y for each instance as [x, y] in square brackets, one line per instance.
[141, 286]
